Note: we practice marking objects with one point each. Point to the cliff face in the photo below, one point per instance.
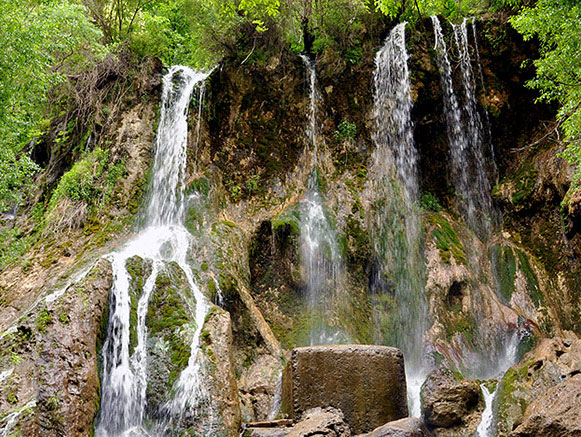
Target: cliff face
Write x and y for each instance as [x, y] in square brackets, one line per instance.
[250, 167]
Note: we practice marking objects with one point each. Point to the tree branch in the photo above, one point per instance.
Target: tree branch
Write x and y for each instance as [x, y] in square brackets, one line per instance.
[550, 132]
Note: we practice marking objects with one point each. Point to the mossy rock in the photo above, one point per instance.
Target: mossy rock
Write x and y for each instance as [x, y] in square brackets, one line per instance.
[170, 327]
[511, 403]
[447, 240]
[289, 218]
[138, 270]
[531, 279]
[505, 268]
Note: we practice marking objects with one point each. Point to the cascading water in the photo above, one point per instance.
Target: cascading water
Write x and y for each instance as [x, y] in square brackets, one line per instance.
[397, 222]
[464, 135]
[472, 183]
[483, 85]
[163, 240]
[508, 359]
[320, 254]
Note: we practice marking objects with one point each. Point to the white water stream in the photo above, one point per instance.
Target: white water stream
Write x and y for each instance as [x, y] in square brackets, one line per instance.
[321, 258]
[163, 239]
[397, 222]
[464, 128]
[486, 427]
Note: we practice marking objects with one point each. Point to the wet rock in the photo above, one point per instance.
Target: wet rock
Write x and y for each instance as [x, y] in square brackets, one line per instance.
[170, 326]
[258, 386]
[408, 427]
[551, 363]
[556, 413]
[468, 314]
[67, 376]
[323, 422]
[451, 403]
[367, 383]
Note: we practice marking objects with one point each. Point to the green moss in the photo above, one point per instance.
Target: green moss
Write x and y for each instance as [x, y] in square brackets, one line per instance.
[64, 318]
[504, 264]
[532, 281]
[200, 186]
[288, 218]
[43, 319]
[526, 178]
[429, 202]
[463, 324]
[12, 398]
[138, 270]
[447, 240]
[168, 314]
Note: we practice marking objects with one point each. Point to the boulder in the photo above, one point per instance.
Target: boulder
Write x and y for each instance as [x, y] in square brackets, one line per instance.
[556, 413]
[408, 427]
[323, 422]
[367, 383]
[552, 362]
[449, 402]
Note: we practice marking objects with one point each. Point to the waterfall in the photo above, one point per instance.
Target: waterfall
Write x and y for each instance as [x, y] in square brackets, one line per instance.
[508, 359]
[321, 259]
[314, 99]
[464, 128]
[485, 427]
[397, 221]
[483, 85]
[163, 240]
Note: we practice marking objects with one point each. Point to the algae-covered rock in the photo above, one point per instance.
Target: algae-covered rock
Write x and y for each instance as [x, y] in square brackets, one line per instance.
[68, 381]
[451, 405]
[52, 385]
[139, 270]
[550, 363]
[171, 326]
[258, 387]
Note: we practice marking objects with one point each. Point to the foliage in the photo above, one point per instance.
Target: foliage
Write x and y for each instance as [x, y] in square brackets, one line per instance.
[430, 202]
[557, 25]
[346, 129]
[413, 9]
[41, 42]
[86, 186]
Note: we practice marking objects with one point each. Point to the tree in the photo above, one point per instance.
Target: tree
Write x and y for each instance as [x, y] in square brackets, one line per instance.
[557, 25]
[40, 43]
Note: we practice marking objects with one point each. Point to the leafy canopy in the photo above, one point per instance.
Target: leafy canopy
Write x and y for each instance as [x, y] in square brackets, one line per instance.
[40, 43]
[557, 25]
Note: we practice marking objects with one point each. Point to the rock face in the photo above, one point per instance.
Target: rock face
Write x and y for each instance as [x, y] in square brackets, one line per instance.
[556, 413]
[552, 363]
[68, 380]
[53, 386]
[451, 405]
[221, 379]
[408, 427]
[367, 383]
